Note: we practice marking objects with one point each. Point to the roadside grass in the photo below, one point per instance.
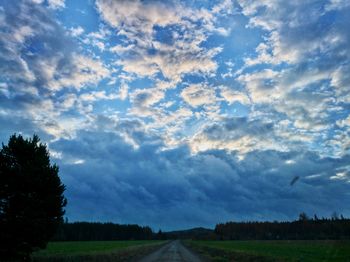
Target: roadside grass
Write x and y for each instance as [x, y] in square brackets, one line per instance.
[308, 251]
[96, 250]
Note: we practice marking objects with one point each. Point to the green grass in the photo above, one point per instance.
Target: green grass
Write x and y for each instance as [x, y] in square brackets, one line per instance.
[95, 250]
[277, 250]
[84, 247]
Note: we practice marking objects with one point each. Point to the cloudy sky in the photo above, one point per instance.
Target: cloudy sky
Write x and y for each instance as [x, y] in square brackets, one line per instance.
[177, 114]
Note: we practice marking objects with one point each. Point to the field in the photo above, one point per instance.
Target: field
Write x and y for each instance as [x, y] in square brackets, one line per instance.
[273, 250]
[96, 250]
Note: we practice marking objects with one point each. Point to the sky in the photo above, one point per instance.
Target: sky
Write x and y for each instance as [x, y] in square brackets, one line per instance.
[178, 114]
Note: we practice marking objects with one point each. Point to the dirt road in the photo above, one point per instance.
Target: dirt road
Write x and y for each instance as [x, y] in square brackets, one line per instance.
[174, 251]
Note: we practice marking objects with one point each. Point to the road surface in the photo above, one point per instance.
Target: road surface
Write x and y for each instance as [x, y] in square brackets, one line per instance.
[174, 251]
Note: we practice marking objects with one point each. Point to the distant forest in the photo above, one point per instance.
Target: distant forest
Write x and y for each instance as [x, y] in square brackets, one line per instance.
[304, 228]
[86, 231]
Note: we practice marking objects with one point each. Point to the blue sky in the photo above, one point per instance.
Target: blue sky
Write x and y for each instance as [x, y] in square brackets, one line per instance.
[177, 114]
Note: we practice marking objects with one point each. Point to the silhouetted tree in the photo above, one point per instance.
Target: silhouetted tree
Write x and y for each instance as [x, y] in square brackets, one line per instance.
[303, 217]
[161, 235]
[31, 197]
[335, 216]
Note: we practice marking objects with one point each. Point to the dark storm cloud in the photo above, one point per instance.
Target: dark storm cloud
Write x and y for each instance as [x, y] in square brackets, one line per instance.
[174, 189]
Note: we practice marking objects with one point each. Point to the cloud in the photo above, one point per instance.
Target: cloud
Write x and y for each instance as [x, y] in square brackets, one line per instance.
[97, 96]
[168, 187]
[36, 52]
[293, 37]
[198, 95]
[231, 95]
[43, 70]
[297, 73]
[147, 54]
[144, 99]
[84, 71]
[56, 4]
[138, 14]
[262, 85]
[163, 44]
[123, 91]
[77, 31]
[337, 5]
[238, 134]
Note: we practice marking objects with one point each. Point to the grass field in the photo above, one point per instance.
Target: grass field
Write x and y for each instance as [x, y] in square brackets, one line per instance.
[96, 250]
[273, 250]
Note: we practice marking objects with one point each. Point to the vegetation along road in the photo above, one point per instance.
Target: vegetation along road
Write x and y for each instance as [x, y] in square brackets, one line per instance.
[174, 251]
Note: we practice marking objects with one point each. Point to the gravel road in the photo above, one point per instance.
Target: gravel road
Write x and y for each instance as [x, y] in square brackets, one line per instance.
[174, 251]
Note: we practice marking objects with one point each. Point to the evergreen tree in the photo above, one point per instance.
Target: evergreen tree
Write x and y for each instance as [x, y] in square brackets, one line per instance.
[31, 197]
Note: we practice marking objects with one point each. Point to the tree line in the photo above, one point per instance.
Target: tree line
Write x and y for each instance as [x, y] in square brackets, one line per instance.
[94, 231]
[304, 228]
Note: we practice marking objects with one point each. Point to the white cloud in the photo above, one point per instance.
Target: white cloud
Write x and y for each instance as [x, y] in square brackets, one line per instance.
[84, 71]
[230, 95]
[55, 154]
[97, 39]
[119, 49]
[225, 7]
[69, 101]
[137, 14]
[136, 21]
[236, 134]
[344, 122]
[143, 100]
[243, 145]
[198, 95]
[99, 44]
[340, 80]
[292, 36]
[339, 176]
[56, 4]
[140, 67]
[123, 91]
[77, 31]
[146, 97]
[337, 5]
[262, 86]
[79, 162]
[4, 90]
[97, 96]
[22, 33]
